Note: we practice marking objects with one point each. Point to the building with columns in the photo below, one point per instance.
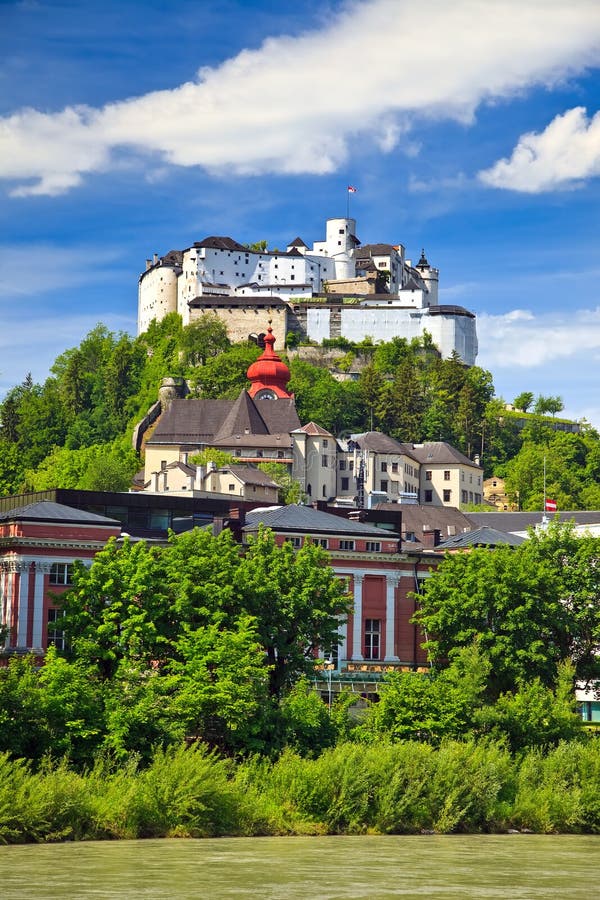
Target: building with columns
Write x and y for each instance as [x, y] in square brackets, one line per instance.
[381, 575]
[39, 543]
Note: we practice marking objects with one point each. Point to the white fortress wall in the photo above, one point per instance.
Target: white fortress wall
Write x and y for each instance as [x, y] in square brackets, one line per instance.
[449, 331]
[318, 324]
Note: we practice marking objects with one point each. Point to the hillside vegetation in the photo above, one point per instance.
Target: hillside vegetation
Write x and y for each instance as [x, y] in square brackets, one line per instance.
[74, 430]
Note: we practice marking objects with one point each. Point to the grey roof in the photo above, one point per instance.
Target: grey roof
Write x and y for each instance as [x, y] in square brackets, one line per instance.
[242, 418]
[440, 453]
[48, 511]
[222, 422]
[450, 310]
[232, 300]
[250, 475]
[521, 521]
[369, 250]
[221, 243]
[307, 520]
[381, 443]
[481, 537]
[417, 518]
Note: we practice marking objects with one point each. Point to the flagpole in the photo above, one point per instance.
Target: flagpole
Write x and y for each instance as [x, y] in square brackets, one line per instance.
[544, 516]
[347, 203]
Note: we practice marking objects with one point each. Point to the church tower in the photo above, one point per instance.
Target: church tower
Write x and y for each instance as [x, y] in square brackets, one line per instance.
[269, 375]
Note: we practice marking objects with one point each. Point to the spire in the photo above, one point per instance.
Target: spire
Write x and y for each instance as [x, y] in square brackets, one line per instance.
[422, 264]
[269, 375]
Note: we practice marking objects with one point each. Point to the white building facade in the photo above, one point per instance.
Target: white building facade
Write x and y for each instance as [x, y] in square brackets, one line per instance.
[331, 286]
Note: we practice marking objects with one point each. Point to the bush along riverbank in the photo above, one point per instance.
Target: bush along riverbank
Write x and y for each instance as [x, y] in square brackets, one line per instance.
[401, 788]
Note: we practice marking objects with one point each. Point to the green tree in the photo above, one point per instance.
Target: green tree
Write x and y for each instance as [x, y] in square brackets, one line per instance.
[523, 401]
[413, 706]
[535, 715]
[203, 339]
[298, 603]
[290, 490]
[531, 608]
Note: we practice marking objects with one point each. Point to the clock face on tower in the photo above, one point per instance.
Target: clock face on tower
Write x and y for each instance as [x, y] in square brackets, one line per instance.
[266, 394]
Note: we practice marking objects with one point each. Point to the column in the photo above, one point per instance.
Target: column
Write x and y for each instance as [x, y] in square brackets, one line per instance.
[39, 625]
[343, 645]
[6, 600]
[357, 625]
[391, 583]
[22, 601]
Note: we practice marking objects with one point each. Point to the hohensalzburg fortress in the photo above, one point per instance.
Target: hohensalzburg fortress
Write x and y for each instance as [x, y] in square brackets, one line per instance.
[336, 289]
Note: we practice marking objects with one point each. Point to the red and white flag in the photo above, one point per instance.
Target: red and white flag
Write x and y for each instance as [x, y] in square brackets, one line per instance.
[351, 189]
[551, 506]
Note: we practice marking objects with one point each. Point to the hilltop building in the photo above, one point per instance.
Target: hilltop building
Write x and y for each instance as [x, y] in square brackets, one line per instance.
[337, 288]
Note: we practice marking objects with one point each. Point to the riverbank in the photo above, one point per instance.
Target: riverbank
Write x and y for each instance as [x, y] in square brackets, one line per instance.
[403, 788]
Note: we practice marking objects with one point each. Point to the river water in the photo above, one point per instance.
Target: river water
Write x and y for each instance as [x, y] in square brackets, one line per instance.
[517, 867]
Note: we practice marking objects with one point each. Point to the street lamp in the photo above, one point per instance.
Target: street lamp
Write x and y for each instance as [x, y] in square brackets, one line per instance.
[329, 666]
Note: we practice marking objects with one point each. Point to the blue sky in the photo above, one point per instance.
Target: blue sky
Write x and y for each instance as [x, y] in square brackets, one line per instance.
[469, 128]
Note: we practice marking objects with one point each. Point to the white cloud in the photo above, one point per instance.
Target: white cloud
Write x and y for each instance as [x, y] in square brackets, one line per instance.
[561, 156]
[524, 340]
[553, 353]
[295, 104]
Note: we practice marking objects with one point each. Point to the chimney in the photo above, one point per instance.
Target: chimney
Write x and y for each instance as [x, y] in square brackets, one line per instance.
[477, 459]
[155, 258]
[164, 474]
[200, 472]
[190, 484]
[155, 482]
[148, 264]
[431, 537]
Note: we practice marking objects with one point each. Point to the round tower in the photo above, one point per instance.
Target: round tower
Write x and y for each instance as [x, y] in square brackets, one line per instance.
[431, 278]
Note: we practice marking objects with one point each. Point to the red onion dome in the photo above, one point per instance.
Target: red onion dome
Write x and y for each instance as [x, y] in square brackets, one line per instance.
[269, 372]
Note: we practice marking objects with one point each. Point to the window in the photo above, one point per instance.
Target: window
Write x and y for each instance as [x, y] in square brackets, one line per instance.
[447, 495]
[296, 542]
[325, 444]
[324, 461]
[346, 545]
[351, 465]
[345, 484]
[384, 467]
[260, 454]
[384, 485]
[464, 497]
[373, 546]
[56, 636]
[322, 542]
[232, 487]
[342, 465]
[428, 496]
[280, 454]
[394, 467]
[428, 475]
[372, 636]
[61, 573]
[446, 474]
[238, 452]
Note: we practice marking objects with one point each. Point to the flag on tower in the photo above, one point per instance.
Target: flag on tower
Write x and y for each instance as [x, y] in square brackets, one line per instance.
[351, 189]
[551, 505]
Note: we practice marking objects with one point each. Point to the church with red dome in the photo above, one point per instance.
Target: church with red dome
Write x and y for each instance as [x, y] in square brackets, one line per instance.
[269, 375]
[256, 427]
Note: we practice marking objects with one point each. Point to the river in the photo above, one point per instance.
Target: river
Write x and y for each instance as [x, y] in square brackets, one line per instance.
[518, 867]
